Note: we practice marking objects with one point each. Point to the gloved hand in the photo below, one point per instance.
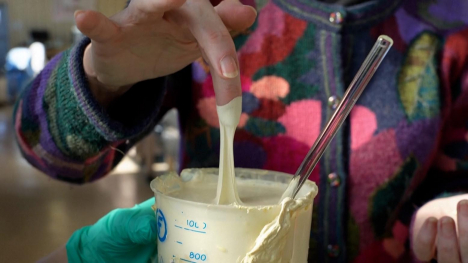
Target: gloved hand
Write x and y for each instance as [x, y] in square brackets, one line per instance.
[123, 235]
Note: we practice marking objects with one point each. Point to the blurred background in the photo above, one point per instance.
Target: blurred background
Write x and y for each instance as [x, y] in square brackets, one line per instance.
[37, 214]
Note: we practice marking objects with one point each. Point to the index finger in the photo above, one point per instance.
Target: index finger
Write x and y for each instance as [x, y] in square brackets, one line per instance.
[217, 46]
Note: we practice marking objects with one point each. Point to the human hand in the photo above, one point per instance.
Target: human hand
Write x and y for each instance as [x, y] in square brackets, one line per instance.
[123, 235]
[154, 38]
[435, 230]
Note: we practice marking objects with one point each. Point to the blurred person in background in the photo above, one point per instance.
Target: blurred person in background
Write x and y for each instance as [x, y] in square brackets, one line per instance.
[393, 182]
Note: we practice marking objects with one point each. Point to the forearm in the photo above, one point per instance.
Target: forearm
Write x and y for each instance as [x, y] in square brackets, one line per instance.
[64, 131]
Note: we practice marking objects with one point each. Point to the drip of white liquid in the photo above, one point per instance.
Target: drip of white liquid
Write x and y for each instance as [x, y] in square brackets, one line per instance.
[229, 116]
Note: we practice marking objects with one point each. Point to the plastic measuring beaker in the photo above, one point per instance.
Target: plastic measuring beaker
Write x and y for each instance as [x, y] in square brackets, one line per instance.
[190, 231]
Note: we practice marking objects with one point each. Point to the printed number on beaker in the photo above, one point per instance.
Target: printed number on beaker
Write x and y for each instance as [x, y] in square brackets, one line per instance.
[194, 224]
[197, 256]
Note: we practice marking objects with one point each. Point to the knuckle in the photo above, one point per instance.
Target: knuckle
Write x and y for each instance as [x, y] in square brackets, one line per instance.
[145, 7]
[218, 36]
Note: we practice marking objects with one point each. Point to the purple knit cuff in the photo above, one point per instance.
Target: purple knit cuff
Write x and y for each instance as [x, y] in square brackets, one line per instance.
[141, 104]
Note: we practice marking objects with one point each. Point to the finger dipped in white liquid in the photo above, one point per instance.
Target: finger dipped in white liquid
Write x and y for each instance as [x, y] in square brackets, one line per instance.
[229, 116]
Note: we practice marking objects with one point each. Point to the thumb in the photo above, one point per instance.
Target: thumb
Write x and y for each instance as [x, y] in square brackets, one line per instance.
[142, 229]
[235, 15]
[95, 25]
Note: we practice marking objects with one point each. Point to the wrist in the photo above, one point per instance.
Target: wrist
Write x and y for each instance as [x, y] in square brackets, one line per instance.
[104, 94]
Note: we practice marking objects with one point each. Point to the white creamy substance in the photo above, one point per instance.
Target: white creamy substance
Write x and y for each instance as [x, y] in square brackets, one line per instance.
[237, 220]
[229, 116]
[270, 244]
[251, 193]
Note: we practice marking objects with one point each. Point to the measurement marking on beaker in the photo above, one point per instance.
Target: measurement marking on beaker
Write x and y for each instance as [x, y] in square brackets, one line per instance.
[183, 259]
[179, 242]
[203, 232]
[178, 226]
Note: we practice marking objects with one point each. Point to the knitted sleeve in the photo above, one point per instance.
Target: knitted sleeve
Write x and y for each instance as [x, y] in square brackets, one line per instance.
[63, 131]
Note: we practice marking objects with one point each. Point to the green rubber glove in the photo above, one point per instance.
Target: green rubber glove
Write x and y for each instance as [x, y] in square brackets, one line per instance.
[123, 235]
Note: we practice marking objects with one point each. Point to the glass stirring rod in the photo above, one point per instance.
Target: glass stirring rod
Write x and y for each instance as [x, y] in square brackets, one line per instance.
[359, 83]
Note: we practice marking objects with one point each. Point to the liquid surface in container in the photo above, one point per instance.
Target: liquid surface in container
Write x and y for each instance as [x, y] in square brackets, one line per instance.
[251, 192]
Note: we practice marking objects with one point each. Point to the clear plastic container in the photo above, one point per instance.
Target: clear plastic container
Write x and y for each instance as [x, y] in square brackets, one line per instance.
[191, 231]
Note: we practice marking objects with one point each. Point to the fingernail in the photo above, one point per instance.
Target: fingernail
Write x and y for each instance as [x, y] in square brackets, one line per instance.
[432, 220]
[229, 67]
[446, 226]
[78, 13]
[431, 224]
[463, 207]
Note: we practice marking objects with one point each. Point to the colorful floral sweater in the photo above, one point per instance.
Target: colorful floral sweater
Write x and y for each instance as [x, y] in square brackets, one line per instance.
[406, 141]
